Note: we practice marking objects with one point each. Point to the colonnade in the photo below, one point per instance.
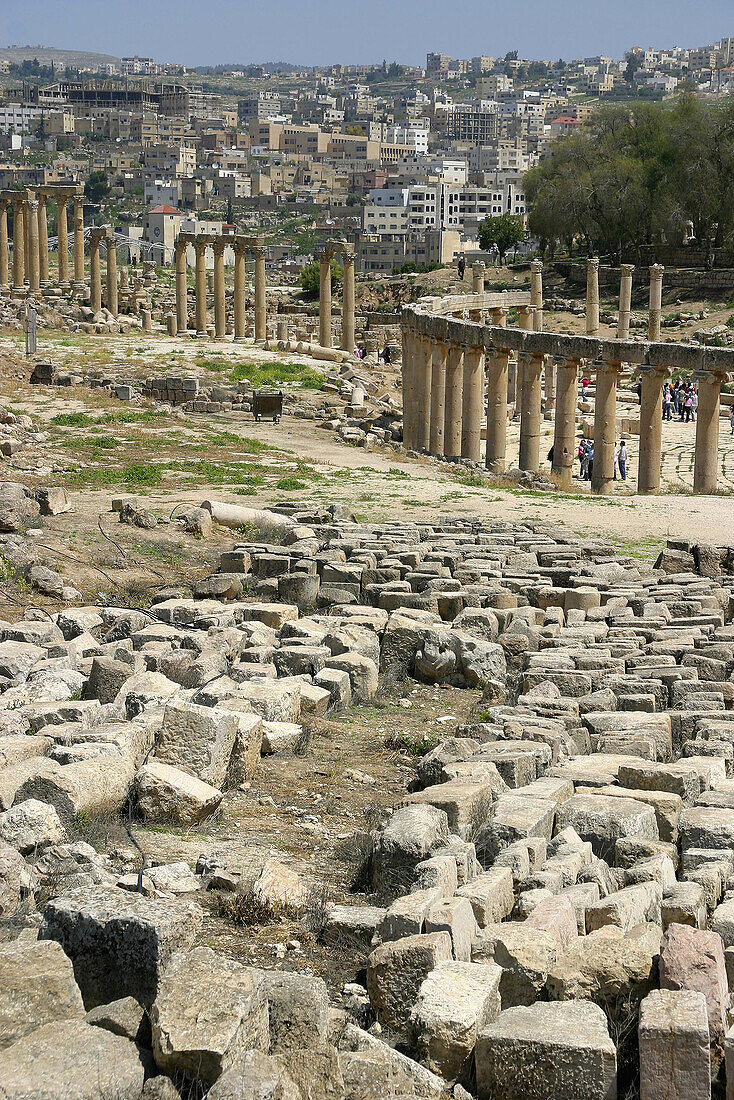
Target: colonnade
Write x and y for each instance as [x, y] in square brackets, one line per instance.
[456, 371]
[241, 245]
[30, 254]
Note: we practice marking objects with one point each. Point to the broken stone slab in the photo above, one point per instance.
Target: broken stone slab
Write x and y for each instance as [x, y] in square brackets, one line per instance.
[412, 834]
[255, 1075]
[674, 1042]
[119, 943]
[602, 821]
[208, 1010]
[279, 889]
[625, 908]
[547, 1050]
[37, 986]
[352, 927]
[92, 786]
[455, 1001]
[67, 1059]
[515, 818]
[30, 826]
[395, 973]
[526, 956]
[603, 967]
[373, 1070]
[124, 1017]
[198, 740]
[455, 916]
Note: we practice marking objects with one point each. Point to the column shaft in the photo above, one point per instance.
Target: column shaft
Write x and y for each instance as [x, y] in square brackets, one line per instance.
[27, 237]
[79, 241]
[63, 234]
[4, 273]
[422, 393]
[625, 304]
[407, 385]
[43, 240]
[240, 320]
[200, 247]
[111, 279]
[651, 424]
[706, 456]
[438, 397]
[549, 378]
[530, 413]
[34, 271]
[182, 310]
[472, 402]
[592, 297]
[18, 246]
[477, 277]
[453, 401]
[656, 302]
[525, 322]
[325, 302]
[220, 305]
[496, 455]
[348, 302]
[605, 427]
[536, 294]
[95, 274]
[564, 434]
[261, 315]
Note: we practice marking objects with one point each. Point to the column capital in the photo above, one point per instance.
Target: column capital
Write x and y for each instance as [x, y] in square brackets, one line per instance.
[708, 375]
[593, 262]
[219, 245]
[627, 269]
[536, 266]
[259, 251]
[200, 245]
[498, 313]
[609, 365]
[657, 271]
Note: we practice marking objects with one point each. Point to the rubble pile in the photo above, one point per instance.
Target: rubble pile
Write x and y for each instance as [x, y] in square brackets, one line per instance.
[551, 908]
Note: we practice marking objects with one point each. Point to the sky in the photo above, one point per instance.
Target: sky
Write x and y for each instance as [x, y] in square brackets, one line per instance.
[319, 32]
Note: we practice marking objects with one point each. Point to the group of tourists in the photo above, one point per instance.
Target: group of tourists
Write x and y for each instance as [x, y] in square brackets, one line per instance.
[680, 399]
[585, 455]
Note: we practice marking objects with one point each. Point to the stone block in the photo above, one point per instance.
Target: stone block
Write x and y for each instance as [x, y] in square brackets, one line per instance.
[515, 818]
[198, 740]
[674, 1046]
[626, 908]
[166, 795]
[396, 971]
[37, 987]
[490, 895]
[602, 821]
[455, 916]
[691, 958]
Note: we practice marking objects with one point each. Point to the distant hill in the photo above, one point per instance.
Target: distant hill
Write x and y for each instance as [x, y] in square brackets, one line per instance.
[48, 54]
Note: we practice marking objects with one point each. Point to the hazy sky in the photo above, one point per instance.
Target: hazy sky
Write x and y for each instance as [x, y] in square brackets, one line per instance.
[208, 32]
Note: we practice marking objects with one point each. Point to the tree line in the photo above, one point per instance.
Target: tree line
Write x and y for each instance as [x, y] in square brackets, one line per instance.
[638, 176]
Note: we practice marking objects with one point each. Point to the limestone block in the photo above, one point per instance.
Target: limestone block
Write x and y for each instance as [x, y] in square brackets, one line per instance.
[526, 956]
[229, 1016]
[490, 895]
[253, 1075]
[707, 827]
[674, 1046]
[455, 916]
[602, 821]
[298, 1010]
[547, 1051]
[352, 927]
[467, 803]
[604, 966]
[455, 1001]
[556, 916]
[119, 943]
[198, 740]
[396, 971]
[37, 987]
[684, 903]
[362, 674]
[166, 794]
[69, 1060]
[411, 835]
[407, 914]
[515, 818]
[30, 826]
[626, 908]
[691, 958]
[372, 1070]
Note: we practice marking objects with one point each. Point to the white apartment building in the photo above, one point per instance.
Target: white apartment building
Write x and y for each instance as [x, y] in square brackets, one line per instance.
[387, 211]
[415, 136]
[17, 118]
[442, 206]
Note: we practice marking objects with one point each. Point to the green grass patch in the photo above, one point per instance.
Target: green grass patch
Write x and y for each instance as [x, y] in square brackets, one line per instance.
[136, 475]
[290, 483]
[274, 374]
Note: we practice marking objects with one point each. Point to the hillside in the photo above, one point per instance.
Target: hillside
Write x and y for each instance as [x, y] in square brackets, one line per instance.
[48, 54]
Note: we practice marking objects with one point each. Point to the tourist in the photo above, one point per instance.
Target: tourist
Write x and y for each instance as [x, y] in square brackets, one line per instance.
[622, 460]
[688, 405]
[580, 454]
[584, 388]
[667, 402]
[386, 355]
[461, 267]
[616, 460]
[694, 401]
[590, 467]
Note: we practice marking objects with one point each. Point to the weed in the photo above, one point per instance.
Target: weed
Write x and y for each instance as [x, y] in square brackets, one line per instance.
[414, 746]
[290, 483]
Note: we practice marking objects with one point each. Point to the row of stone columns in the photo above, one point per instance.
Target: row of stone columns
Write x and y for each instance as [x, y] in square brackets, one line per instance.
[625, 300]
[240, 245]
[444, 398]
[107, 234]
[30, 239]
[325, 257]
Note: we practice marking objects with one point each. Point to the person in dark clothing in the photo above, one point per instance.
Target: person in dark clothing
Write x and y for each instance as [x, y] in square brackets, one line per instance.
[386, 354]
[461, 267]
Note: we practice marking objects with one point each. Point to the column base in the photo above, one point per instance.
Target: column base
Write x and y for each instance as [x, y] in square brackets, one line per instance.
[202, 335]
[239, 339]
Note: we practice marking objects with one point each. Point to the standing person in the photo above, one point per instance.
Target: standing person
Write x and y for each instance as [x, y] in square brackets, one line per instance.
[461, 267]
[731, 420]
[622, 460]
[667, 402]
[590, 468]
[386, 355]
[694, 401]
[582, 459]
[616, 459]
[688, 405]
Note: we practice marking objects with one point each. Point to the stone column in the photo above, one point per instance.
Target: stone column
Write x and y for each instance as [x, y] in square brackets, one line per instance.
[4, 272]
[18, 244]
[78, 241]
[453, 401]
[525, 322]
[34, 271]
[42, 238]
[477, 277]
[325, 300]
[605, 426]
[656, 302]
[111, 279]
[532, 369]
[348, 300]
[651, 424]
[261, 314]
[26, 236]
[422, 393]
[438, 397]
[200, 248]
[407, 381]
[240, 320]
[496, 454]
[564, 435]
[706, 455]
[95, 274]
[536, 294]
[549, 378]
[182, 309]
[472, 402]
[63, 232]
[592, 297]
[220, 304]
[625, 304]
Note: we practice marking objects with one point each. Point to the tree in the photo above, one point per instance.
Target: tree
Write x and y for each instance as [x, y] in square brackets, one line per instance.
[634, 62]
[97, 187]
[504, 230]
[310, 278]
